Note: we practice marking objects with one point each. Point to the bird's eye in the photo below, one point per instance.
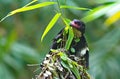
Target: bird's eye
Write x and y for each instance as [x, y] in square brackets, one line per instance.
[75, 22]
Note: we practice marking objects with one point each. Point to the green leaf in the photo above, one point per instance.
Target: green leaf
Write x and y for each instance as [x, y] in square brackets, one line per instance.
[77, 40]
[66, 21]
[96, 12]
[5, 71]
[104, 55]
[112, 19]
[15, 64]
[72, 50]
[70, 38]
[73, 7]
[69, 65]
[70, 30]
[54, 50]
[76, 72]
[10, 40]
[65, 65]
[27, 8]
[63, 56]
[51, 24]
[59, 40]
[26, 53]
[44, 4]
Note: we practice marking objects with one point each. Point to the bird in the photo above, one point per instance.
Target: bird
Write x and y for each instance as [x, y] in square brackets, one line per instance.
[78, 50]
[79, 47]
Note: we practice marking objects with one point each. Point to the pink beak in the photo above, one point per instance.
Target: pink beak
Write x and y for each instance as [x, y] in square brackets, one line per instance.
[72, 23]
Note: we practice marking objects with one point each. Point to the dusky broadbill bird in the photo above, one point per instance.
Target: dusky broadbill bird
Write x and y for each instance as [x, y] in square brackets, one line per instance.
[78, 52]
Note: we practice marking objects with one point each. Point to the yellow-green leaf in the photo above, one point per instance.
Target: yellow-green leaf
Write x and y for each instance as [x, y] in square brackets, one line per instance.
[73, 7]
[31, 7]
[96, 13]
[112, 19]
[72, 50]
[51, 24]
[27, 8]
[76, 72]
[70, 38]
[70, 35]
[65, 65]
[66, 21]
[63, 56]
[54, 50]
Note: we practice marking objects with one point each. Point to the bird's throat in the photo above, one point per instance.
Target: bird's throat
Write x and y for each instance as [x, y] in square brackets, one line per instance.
[77, 33]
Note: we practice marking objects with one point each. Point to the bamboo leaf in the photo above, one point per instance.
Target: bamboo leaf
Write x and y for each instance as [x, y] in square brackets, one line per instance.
[10, 40]
[70, 38]
[75, 71]
[97, 12]
[112, 19]
[73, 7]
[63, 56]
[27, 8]
[66, 21]
[65, 65]
[71, 34]
[31, 7]
[51, 24]
[72, 50]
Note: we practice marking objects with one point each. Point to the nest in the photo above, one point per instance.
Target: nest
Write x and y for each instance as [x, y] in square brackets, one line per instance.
[59, 64]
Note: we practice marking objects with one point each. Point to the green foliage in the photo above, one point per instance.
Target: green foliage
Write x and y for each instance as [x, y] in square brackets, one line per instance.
[27, 8]
[73, 67]
[61, 66]
[70, 38]
[13, 56]
[70, 65]
[22, 46]
[105, 54]
[73, 7]
[97, 12]
[50, 25]
[68, 30]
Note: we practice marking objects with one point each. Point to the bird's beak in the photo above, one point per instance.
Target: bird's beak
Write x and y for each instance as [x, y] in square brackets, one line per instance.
[72, 23]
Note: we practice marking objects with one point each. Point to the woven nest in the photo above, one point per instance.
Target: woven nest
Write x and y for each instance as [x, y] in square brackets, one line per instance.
[58, 64]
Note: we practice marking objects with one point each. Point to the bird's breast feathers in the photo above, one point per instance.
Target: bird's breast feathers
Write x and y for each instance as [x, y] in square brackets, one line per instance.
[83, 51]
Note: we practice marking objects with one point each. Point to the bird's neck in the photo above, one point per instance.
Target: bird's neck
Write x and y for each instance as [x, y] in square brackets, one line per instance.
[77, 33]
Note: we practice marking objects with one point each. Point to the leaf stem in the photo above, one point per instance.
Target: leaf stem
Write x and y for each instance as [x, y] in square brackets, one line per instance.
[60, 10]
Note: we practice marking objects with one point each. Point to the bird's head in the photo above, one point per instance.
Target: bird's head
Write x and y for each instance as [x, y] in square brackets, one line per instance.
[79, 25]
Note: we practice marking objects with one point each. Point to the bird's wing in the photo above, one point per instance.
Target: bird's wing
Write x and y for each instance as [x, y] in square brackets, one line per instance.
[57, 39]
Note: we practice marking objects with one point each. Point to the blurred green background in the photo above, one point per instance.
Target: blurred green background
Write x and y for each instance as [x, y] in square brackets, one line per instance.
[20, 37]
